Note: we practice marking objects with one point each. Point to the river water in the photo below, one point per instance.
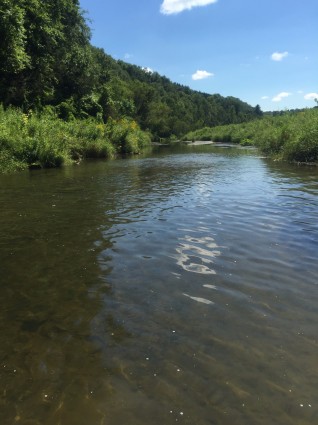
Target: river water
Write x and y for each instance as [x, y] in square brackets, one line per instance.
[178, 287]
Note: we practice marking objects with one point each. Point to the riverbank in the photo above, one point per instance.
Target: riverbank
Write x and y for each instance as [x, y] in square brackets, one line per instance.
[45, 141]
[292, 136]
[198, 142]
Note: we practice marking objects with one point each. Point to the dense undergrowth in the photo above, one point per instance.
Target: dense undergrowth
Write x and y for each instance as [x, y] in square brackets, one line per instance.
[291, 136]
[45, 141]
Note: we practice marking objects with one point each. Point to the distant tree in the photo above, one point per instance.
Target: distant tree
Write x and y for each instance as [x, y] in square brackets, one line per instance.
[159, 119]
[258, 111]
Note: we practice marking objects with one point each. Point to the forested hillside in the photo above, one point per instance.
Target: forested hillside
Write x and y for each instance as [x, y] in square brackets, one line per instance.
[48, 63]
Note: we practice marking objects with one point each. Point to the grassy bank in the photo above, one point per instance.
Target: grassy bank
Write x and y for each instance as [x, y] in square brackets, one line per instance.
[32, 140]
[291, 136]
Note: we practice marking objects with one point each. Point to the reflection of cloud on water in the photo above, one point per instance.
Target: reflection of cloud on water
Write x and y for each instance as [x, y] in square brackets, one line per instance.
[209, 286]
[196, 254]
[199, 299]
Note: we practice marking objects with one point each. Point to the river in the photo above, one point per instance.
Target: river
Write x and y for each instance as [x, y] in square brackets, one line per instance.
[175, 287]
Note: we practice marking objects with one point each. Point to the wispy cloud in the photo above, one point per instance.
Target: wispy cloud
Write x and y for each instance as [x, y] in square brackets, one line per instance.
[279, 56]
[280, 96]
[200, 75]
[311, 96]
[148, 70]
[170, 7]
[264, 97]
[128, 55]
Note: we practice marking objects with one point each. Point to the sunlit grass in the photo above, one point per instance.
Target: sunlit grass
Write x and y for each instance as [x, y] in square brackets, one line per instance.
[291, 136]
[44, 141]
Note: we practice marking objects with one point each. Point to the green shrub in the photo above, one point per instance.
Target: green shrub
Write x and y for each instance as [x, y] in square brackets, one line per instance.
[246, 142]
[9, 163]
[44, 140]
[305, 148]
[290, 136]
[66, 111]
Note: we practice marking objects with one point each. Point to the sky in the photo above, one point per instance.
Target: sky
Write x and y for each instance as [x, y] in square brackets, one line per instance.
[262, 51]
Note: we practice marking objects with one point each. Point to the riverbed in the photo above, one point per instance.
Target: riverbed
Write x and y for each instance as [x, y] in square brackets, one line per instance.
[177, 287]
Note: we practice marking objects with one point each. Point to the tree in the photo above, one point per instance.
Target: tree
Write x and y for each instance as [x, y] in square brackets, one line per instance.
[258, 111]
[13, 57]
[42, 43]
[159, 119]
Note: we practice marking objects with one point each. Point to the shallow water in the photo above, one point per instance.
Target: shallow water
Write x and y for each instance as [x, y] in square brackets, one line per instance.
[178, 287]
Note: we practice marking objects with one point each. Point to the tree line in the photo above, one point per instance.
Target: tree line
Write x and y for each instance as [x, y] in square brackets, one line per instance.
[47, 62]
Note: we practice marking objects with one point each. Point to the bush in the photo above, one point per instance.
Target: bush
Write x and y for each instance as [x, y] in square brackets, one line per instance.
[290, 136]
[33, 140]
[246, 142]
[126, 136]
[66, 111]
[305, 148]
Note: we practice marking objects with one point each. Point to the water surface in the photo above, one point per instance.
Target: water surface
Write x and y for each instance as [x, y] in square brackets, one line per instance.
[178, 287]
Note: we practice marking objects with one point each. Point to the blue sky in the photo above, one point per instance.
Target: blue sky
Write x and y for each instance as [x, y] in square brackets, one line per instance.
[262, 51]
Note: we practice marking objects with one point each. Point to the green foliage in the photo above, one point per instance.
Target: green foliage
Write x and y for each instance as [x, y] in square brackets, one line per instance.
[89, 106]
[44, 49]
[159, 119]
[303, 147]
[13, 57]
[246, 142]
[126, 136]
[32, 140]
[291, 136]
[66, 110]
[47, 64]
[46, 59]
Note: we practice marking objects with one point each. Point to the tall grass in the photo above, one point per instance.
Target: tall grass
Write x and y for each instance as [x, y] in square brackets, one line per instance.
[32, 140]
[291, 136]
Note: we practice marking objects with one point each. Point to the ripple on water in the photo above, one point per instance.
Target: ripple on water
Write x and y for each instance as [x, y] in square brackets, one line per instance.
[196, 254]
[199, 299]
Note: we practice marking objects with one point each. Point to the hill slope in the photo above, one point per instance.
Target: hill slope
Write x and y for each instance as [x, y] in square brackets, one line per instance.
[47, 60]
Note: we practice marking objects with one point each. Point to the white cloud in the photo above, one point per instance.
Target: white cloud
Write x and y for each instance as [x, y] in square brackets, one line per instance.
[200, 75]
[281, 96]
[311, 96]
[128, 56]
[264, 97]
[277, 56]
[148, 70]
[300, 92]
[169, 7]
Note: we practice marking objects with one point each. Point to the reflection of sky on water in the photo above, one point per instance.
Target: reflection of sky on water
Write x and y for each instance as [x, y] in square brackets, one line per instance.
[196, 256]
[199, 299]
[155, 286]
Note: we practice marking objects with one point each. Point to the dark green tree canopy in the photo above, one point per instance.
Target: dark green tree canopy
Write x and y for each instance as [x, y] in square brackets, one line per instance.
[41, 42]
